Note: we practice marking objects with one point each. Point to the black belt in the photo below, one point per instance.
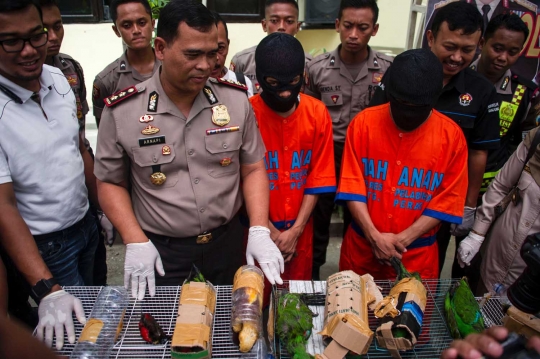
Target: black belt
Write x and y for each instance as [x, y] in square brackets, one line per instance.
[48, 236]
[203, 238]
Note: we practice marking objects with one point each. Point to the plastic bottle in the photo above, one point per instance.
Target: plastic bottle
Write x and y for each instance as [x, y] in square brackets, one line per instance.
[104, 325]
[499, 290]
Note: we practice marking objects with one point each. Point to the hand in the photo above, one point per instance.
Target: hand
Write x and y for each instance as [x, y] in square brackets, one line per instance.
[107, 229]
[386, 246]
[55, 313]
[475, 346]
[261, 248]
[141, 258]
[468, 248]
[286, 242]
[466, 225]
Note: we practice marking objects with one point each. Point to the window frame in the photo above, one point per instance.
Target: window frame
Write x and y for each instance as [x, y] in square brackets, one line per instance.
[239, 17]
[96, 15]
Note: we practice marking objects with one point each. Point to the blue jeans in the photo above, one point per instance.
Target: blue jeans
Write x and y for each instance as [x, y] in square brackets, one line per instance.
[69, 253]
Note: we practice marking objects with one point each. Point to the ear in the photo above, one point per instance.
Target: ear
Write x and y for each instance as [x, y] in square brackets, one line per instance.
[481, 43]
[228, 42]
[430, 38]
[263, 23]
[298, 26]
[153, 23]
[159, 48]
[375, 30]
[337, 25]
[116, 31]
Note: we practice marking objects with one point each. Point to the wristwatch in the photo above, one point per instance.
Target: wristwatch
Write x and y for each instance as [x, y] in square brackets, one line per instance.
[42, 288]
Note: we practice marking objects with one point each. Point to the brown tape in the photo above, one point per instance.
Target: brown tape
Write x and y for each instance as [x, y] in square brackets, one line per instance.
[415, 292]
[386, 339]
[200, 294]
[91, 330]
[373, 294]
[249, 276]
[191, 335]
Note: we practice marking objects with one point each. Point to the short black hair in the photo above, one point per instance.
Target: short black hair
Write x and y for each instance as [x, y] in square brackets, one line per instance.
[360, 4]
[269, 3]
[113, 8]
[219, 19]
[14, 5]
[459, 16]
[192, 12]
[510, 22]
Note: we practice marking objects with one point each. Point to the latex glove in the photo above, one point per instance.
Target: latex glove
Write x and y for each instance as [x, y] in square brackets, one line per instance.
[55, 313]
[107, 229]
[262, 249]
[460, 230]
[141, 258]
[468, 248]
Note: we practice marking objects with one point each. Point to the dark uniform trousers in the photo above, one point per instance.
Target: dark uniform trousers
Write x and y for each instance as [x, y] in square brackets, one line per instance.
[218, 259]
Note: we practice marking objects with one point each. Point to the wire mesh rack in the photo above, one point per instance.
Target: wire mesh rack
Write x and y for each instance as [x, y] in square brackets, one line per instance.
[433, 339]
[163, 307]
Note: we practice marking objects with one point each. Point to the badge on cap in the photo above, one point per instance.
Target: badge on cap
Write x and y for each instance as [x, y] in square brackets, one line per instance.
[150, 130]
[225, 162]
[153, 101]
[158, 178]
[166, 150]
[376, 77]
[220, 115]
[465, 99]
[146, 118]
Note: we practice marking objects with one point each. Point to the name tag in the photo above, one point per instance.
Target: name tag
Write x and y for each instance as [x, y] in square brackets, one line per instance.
[151, 141]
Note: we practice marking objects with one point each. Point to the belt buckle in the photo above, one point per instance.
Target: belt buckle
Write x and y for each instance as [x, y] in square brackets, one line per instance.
[204, 238]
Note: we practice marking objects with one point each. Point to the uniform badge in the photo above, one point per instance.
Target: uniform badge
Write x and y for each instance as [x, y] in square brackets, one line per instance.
[225, 162]
[210, 95]
[376, 77]
[150, 130]
[96, 93]
[146, 118]
[215, 131]
[232, 66]
[465, 99]
[149, 141]
[332, 61]
[153, 101]
[73, 80]
[507, 111]
[505, 83]
[220, 115]
[335, 98]
[257, 86]
[158, 178]
[166, 150]
[120, 95]
[123, 65]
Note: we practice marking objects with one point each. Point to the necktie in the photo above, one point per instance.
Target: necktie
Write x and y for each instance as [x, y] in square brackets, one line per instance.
[485, 12]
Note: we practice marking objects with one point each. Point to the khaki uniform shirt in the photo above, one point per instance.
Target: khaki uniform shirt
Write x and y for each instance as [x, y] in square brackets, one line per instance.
[244, 62]
[202, 189]
[117, 76]
[330, 81]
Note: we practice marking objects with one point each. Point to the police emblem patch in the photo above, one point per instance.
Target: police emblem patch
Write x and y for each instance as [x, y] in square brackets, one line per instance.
[153, 99]
[376, 77]
[220, 115]
[335, 98]
[465, 99]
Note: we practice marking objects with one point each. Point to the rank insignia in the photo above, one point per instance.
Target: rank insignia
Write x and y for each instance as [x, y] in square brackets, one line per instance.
[122, 65]
[153, 101]
[232, 83]
[505, 83]
[335, 98]
[158, 178]
[120, 96]
[166, 150]
[210, 95]
[220, 115]
[150, 130]
[376, 77]
[225, 162]
[465, 99]
[146, 118]
[332, 61]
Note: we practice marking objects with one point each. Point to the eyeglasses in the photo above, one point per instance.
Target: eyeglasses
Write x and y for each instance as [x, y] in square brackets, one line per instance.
[16, 45]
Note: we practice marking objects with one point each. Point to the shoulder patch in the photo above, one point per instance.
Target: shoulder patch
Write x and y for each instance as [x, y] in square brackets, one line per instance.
[120, 96]
[232, 83]
[526, 82]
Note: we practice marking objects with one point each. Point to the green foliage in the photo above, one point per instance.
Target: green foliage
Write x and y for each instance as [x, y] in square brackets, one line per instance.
[294, 324]
[462, 311]
[156, 6]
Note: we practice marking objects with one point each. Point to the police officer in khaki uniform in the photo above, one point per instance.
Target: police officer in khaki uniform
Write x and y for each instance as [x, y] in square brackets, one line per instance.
[184, 143]
[279, 16]
[344, 80]
[134, 24]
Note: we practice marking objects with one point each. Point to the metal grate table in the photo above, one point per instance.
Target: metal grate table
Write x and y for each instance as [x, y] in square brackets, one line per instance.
[434, 337]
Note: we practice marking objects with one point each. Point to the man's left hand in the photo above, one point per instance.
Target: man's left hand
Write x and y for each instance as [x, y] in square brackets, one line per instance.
[287, 241]
[460, 230]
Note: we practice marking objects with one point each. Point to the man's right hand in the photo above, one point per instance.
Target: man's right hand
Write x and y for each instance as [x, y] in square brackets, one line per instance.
[141, 258]
[386, 246]
[262, 249]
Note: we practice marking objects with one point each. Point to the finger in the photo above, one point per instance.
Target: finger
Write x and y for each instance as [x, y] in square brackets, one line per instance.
[142, 287]
[70, 329]
[39, 332]
[400, 247]
[49, 335]
[59, 334]
[134, 285]
[534, 343]
[397, 254]
[127, 275]
[499, 333]
[151, 285]
[79, 310]
[249, 259]
[280, 266]
[449, 354]
[274, 269]
[485, 344]
[465, 350]
[159, 266]
[267, 273]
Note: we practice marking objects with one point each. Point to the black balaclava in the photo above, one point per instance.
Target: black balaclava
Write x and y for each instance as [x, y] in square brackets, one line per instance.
[414, 85]
[280, 56]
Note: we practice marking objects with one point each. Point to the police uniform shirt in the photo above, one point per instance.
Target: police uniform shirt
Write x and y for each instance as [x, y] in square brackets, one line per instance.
[244, 62]
[514, 94]
[200, 159]
[116, 76]
[329, 80]
[471, 101]
[39, 152]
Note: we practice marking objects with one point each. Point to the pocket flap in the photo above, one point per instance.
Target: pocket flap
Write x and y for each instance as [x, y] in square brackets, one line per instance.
[332, 98]
[223, 142]
[153, 155]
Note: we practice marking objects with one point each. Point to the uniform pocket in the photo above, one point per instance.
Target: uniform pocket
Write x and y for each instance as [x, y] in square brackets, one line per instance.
[223, 153]
[146, 157]
[334, 104]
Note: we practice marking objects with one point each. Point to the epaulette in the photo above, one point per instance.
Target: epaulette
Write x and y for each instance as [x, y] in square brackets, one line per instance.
[232, 83]
[524, 81]
[122, 95]
[384, 57]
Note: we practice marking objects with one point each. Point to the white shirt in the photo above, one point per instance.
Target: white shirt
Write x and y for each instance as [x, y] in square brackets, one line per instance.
[492, 5]
[40, 155]
[230, 75]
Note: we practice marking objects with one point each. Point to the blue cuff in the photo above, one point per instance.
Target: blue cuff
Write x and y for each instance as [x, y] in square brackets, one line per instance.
[443, 216]
[342, 197]
[284, 225]
[318, 190]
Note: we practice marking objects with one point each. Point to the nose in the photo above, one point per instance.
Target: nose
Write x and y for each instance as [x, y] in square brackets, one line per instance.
[281, 26]
[354, 33]
[51, 35]
[137, 29]
[28, 50]
[456, 56]
[503, 57]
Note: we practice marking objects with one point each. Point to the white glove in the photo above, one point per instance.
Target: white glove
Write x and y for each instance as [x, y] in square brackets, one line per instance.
[262, 248]
[107, 229]
[141, 258]
[55, 313]
[468, 248]
[460, 230]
